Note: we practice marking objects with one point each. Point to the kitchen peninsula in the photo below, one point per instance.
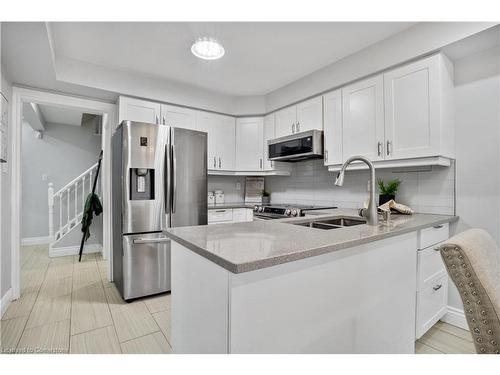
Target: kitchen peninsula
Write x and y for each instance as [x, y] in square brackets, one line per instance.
[276, 287]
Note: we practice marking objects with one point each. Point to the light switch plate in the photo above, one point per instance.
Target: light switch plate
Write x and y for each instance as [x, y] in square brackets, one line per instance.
[238, 186]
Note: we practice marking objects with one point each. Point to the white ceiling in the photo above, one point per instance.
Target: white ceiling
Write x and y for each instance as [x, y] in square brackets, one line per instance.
[260, 57]
[60, 115]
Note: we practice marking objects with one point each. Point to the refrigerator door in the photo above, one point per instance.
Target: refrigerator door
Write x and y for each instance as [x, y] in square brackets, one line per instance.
[188, 178]
[146, 265]
[143, 176]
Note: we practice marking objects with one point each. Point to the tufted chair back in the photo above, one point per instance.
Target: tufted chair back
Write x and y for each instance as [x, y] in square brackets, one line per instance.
[472, 259]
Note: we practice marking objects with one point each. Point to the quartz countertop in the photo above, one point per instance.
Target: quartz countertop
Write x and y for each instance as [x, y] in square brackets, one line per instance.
[226, 206]
[249, 246]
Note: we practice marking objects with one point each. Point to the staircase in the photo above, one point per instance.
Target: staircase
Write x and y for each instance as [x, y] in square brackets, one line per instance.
[67, 204]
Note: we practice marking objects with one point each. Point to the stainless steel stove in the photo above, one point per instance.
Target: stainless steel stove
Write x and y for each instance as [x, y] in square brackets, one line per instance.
[281, 211]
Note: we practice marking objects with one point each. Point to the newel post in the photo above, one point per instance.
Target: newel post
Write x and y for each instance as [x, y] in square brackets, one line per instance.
[50, 196]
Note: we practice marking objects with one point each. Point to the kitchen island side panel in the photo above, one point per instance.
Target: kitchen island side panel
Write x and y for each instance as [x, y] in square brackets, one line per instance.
[356, 300]
[200, 303]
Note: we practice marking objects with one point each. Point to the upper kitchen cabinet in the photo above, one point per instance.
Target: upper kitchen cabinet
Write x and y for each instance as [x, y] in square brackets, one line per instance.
[272, 167]
[221, 139]
[249, 141]
[178, 117]
[332, 126]
[418, 120]
[363, 119]
[132, 109]
[307, 115]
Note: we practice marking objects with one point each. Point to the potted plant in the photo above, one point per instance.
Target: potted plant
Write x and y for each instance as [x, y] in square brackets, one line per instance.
[387, 191]
[266, 197]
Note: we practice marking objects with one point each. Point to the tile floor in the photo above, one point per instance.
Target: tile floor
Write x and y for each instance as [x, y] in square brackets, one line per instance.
[70, 307]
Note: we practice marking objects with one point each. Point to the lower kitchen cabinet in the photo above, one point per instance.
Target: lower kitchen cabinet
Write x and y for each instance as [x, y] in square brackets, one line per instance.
[229, 215]
[432, 279]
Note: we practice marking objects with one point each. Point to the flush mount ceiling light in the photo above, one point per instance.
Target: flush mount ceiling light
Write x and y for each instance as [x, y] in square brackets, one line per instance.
[207, 49]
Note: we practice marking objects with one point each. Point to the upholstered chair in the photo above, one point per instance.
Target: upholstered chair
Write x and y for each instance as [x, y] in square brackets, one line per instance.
[472, 259]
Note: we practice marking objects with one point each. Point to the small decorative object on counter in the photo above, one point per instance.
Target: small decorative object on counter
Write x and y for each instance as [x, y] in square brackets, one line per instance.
[211, 198]
[219, 197]
[397, 207]
[253, 189]
[387, 191]
[266, 197]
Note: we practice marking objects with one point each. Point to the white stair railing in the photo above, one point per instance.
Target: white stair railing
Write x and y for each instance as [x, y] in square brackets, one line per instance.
[69, 202]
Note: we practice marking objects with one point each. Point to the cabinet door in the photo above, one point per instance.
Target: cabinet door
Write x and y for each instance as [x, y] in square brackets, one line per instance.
[363, 119]
[225, 142]
[206, 122]
[178, 117]
[267, 135]
[249, 140]
[310, 115]
[412, 122]
[138, 110]
[332, 116]
[285, 121]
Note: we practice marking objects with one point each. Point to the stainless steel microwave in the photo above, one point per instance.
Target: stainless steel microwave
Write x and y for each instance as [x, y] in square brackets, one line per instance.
[296, 147]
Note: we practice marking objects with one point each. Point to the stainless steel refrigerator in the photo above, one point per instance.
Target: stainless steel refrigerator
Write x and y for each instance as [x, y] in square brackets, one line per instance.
[159, 180]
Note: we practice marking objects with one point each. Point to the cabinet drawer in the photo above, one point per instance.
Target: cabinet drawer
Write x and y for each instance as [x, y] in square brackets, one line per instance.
[430, 265]
[431, 304]
[240, 215]
[220, 216]
[433, 235]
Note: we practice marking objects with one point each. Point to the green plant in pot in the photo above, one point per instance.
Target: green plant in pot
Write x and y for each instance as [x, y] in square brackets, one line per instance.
[266, 197]
[387, 191]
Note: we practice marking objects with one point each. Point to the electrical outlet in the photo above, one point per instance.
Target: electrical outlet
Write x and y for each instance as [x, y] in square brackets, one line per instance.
[44, 177]
[238, 186]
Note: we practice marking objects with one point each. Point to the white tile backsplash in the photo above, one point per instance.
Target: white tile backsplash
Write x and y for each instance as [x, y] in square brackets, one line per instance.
[426, 190]
[228, 185]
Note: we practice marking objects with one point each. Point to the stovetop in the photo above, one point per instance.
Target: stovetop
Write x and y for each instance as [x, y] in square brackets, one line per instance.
[279, 211]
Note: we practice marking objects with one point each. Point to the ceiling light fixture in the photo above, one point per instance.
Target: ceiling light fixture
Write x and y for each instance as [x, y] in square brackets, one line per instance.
[207, 48]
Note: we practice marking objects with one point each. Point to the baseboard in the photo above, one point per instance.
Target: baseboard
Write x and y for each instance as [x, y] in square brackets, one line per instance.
[28, 241]
[5, 301]
[73, 250]
[455, 317]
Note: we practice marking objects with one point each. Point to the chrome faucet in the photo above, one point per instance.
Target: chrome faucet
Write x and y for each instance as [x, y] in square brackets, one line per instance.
[370, 213]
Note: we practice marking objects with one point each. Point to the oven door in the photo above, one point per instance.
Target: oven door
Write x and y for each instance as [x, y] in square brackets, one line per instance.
[296, 147]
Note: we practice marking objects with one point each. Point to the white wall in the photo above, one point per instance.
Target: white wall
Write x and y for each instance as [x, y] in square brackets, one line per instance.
[426, 191]
[228, 185]
[477, 101]
[64, 152]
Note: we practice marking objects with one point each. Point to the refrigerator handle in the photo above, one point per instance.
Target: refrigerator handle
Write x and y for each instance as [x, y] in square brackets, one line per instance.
[168, 188]
[174, 179]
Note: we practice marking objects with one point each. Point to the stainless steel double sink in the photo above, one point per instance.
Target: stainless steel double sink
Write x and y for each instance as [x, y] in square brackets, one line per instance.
[327, 224]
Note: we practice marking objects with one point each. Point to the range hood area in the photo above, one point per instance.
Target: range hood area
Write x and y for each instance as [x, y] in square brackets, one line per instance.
[296, 147]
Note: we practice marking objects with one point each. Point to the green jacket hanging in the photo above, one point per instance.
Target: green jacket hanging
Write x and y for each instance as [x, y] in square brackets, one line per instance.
[92, 206]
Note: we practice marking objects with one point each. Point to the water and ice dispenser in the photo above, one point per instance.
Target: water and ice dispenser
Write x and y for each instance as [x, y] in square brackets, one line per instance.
[142, 184]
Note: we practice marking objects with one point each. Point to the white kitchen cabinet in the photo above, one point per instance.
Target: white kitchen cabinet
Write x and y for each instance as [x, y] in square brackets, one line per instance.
[221, 139]
[229, 215]
[285, 121]
[417, 121]
[310, 115]
[307, 115]
[332, 127]
[268, 134]
[139, 110]
[178, 117]
[363, 119]
[249, 141]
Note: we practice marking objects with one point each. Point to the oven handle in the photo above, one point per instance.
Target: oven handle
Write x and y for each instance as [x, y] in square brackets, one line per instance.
[151, 240]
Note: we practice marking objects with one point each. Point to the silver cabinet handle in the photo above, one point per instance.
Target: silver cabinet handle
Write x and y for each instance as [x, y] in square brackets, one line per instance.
[293, 128]
[326, 155]
[220, 210]
[298, 126]
[164, 121]
[215, 162]
[260, 163]
[174, 179]
[157, 119]
[220, 164]
[437, 287]
[379, 148]
[437, 248]
[151, 240]
[389, 146]
[272, 164]
[438, 226]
